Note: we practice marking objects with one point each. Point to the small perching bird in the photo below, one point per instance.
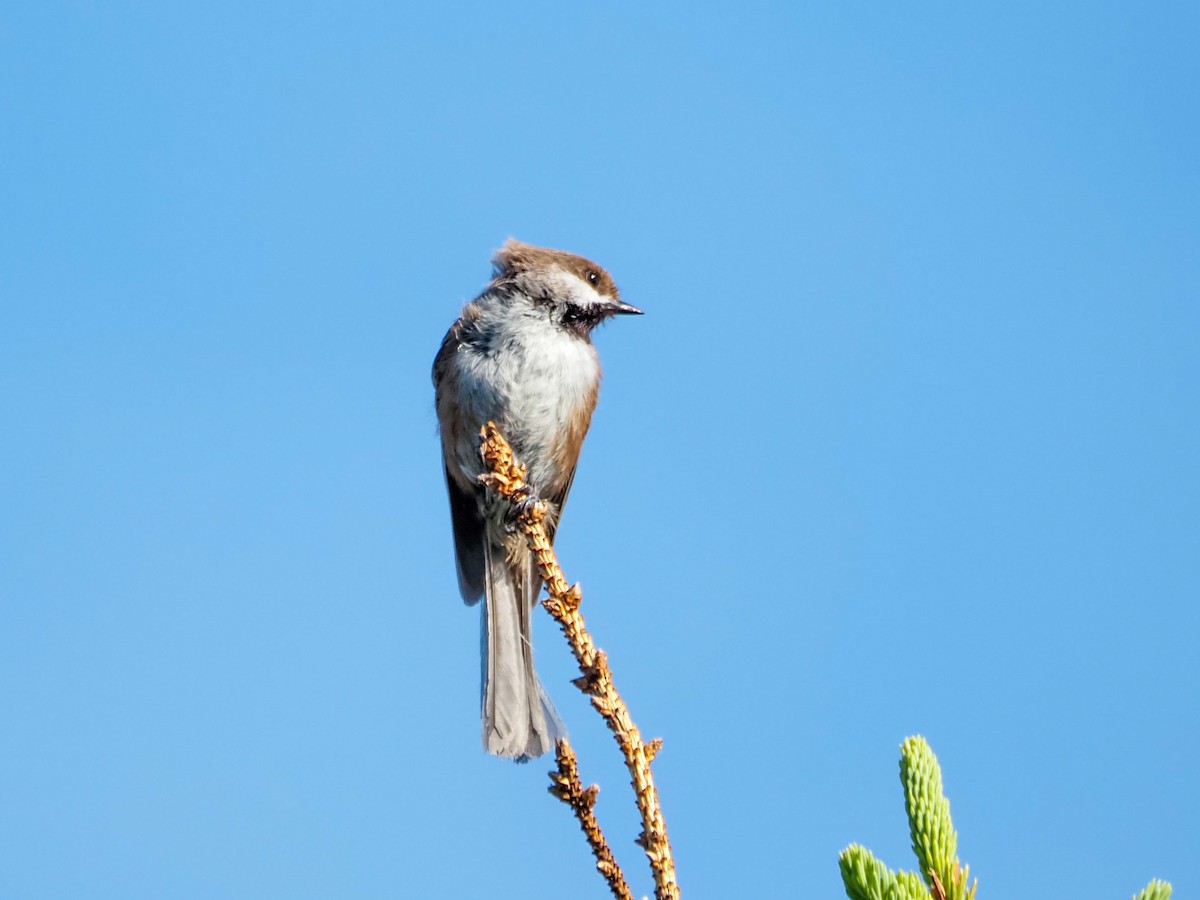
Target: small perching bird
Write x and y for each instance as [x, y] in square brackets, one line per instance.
[520, 355]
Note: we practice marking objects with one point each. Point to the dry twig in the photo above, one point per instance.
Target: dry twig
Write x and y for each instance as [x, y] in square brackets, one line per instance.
[507, 477]
[570, 790]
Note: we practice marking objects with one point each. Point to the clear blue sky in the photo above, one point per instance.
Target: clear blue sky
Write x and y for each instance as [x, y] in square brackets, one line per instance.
[907, 442]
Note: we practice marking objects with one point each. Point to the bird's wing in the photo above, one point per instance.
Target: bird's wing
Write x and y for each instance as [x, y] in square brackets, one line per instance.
[450, 344]
[465, 515]
[468, 541]
[569, 460]
[559, 499]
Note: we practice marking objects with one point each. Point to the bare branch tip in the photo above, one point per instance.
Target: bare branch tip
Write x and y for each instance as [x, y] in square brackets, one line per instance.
[506, 476]
[590, 794]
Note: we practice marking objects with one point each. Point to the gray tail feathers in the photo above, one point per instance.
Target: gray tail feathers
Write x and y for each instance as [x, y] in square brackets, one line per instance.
[519, 721]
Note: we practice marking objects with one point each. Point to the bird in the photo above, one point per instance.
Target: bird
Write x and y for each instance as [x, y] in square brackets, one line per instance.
[520, 355]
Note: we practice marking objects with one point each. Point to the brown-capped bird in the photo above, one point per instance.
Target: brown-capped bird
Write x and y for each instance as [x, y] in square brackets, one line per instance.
[520, 355]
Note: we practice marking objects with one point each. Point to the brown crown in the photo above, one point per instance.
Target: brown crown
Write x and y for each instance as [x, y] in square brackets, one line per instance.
[516, 258]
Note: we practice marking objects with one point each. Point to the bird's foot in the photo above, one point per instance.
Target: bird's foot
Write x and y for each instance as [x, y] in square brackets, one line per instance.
[527, 506]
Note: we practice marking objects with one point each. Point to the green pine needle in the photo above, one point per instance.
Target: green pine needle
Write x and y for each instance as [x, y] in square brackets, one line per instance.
[933, 838]
[866, 878]
[933, 841]
[1155, 890]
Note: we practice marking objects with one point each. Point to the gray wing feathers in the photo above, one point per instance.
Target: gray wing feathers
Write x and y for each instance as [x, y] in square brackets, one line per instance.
[468, 541]
[519, 720]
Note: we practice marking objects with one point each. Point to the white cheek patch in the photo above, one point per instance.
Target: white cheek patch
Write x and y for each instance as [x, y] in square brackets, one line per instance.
[573, 288]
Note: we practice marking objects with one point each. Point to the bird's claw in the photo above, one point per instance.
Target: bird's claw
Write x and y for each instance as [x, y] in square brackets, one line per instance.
[524, 506]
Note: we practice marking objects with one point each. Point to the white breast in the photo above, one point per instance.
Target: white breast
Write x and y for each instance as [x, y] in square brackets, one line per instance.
[528, 375]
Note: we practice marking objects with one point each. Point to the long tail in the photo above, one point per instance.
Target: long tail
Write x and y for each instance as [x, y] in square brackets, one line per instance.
[519, 721]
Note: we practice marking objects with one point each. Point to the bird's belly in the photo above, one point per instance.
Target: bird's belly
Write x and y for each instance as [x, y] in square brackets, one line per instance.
[534, 392]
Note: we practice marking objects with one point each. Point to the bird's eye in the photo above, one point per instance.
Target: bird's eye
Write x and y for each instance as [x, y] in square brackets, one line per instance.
[592, 277]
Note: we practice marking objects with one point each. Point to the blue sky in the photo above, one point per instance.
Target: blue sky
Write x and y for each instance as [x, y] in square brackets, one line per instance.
[906, 443]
